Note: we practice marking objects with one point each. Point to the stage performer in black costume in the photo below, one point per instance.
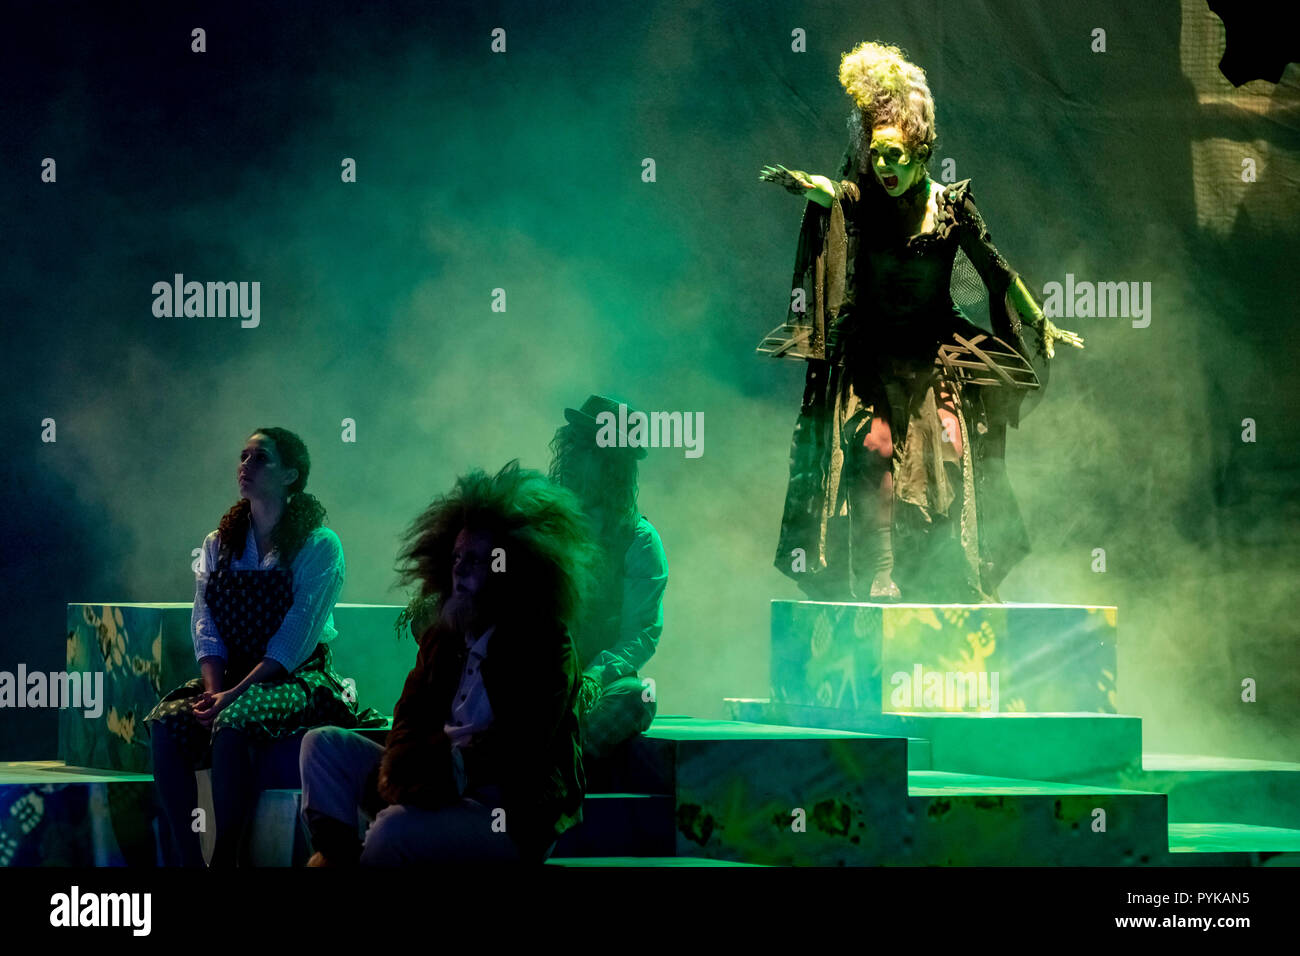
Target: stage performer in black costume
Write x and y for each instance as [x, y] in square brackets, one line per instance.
[898, 487]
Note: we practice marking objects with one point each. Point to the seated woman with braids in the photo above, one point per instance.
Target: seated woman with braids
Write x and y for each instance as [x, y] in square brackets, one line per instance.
[268, 579]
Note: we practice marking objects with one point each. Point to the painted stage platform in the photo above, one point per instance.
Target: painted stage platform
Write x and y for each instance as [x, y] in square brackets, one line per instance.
[144, 651]
[883, 743]
[737, 792]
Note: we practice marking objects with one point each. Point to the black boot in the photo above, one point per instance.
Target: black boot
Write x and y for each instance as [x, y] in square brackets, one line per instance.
[336, 843]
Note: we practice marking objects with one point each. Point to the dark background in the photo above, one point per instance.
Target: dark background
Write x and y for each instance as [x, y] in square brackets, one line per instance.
[523, 171]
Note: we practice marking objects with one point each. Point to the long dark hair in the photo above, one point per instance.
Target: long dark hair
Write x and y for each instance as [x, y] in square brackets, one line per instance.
[303, 513]
[539, 524]
[595, 474]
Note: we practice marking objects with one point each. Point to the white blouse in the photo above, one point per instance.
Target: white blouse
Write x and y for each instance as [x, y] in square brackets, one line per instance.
[318, 572]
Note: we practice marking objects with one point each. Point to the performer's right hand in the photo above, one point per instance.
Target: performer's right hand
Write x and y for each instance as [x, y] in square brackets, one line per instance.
[794, 180]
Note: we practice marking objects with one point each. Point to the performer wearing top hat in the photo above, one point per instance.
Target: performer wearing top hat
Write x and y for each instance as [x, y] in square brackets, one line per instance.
[619, 632]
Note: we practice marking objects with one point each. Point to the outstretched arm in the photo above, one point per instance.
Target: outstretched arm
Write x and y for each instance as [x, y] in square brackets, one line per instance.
[816, 189]
[1033, 316]
[977, 243]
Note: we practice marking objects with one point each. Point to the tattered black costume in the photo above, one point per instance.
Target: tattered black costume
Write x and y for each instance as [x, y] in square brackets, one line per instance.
[878, 308]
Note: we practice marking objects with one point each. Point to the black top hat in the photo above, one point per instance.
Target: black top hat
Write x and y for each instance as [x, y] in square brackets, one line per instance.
[584, 418]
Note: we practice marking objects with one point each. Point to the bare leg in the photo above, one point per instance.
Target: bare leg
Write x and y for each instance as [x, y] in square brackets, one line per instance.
[951, 427]
[878, 498]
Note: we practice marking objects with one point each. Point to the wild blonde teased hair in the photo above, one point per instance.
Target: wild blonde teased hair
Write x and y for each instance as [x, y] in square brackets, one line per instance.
[888, 91]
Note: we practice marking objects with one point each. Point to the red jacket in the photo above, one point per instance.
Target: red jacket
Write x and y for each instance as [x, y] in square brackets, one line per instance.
[532, 750]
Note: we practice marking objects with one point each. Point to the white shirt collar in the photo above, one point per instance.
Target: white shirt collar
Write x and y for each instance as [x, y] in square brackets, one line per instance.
[478, 645]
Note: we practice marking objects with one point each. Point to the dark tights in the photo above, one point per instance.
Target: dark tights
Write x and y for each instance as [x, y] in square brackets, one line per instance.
[178, 793]
[235, 787]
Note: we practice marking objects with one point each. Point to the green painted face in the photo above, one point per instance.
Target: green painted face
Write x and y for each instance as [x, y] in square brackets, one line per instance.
[895, 166]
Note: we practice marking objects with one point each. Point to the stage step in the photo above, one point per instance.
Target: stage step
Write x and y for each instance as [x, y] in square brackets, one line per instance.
[642, 861]
[1263, 793]
[694, 775]
[918, 749]
[780, 795]
[621, 825]
[55, 815]
[1271, 846]
[1032, 746]
[278, 836]
[973, 820]
[725, 791]
[636, 861]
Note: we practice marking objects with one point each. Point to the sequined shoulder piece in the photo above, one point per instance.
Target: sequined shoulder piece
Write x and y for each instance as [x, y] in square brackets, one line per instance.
[948, 216]
[956, 193]
[950, 208]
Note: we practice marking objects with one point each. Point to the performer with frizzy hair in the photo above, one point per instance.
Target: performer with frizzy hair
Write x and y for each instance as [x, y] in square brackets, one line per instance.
[898, 487]
[484, 761]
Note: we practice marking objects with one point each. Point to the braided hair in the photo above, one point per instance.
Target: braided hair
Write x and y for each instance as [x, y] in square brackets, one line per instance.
[303, 512]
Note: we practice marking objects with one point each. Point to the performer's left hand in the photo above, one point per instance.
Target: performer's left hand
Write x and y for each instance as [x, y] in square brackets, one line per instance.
[1052, 334]
[208, 705]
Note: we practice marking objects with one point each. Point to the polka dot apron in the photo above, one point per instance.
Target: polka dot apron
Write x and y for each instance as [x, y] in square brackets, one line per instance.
[248, 608]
